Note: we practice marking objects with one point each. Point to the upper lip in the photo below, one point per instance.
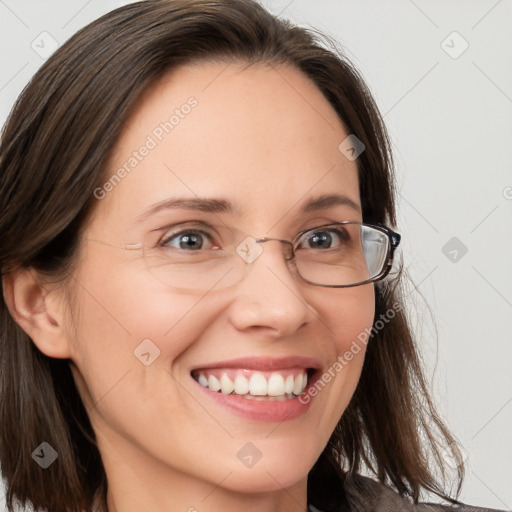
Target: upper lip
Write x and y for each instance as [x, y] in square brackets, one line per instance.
[263, 363]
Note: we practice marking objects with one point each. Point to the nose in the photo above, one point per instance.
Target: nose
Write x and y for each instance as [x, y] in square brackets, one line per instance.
[270, 295]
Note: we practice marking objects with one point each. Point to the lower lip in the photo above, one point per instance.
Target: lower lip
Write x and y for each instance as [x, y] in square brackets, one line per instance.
[270, 411]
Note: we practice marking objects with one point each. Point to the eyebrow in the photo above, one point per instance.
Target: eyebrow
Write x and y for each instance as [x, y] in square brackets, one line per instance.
[212, 205]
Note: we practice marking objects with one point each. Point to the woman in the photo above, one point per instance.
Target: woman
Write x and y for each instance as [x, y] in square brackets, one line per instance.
[199, 311]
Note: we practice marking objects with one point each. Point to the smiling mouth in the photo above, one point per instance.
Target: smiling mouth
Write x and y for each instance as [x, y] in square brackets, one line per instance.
[280, 385]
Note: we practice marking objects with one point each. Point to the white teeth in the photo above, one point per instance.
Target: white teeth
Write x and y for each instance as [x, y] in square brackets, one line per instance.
[226, 385]
[276, 385]
[213, 383]
[203, 380]
[257, 387]
[297, 386]
[288, 384]
[241, 385]
[258, 384]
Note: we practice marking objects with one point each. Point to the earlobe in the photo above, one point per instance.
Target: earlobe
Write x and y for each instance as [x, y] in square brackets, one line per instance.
[38, 312]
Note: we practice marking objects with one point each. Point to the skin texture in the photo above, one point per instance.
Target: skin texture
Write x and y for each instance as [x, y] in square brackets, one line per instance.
[265, 139]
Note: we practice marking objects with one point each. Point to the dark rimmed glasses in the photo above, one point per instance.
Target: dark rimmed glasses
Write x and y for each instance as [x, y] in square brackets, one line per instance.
[202, 256]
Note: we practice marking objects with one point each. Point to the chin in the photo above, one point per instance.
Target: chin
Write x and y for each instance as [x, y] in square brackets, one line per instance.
[265, 478]
[276, 468]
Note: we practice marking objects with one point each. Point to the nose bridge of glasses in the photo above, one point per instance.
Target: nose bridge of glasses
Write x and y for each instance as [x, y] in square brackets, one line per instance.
[287, 243]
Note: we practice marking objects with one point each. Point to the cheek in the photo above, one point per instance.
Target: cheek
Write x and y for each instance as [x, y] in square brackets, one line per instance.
[348, 314]
[128, 324]
[360, 313]
[116, 324]
[349, 318]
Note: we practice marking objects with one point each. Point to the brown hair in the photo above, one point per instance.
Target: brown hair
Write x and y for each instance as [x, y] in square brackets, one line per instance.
[54, 151]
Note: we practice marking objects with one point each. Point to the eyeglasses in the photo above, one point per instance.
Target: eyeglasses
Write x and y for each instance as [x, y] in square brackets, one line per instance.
[202, 256]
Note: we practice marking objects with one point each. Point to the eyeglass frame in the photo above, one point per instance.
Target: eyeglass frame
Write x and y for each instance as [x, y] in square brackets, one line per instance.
[393, 242]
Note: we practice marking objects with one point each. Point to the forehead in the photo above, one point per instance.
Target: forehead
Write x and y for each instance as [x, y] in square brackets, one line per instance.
[264, 137]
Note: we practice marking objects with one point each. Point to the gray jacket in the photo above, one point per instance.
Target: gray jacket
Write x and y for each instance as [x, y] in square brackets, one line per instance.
[364, 494]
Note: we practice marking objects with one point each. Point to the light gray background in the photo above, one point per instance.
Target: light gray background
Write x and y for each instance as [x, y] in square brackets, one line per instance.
[450, 119]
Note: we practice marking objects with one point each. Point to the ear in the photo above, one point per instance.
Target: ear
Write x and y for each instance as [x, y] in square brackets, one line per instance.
[38, 312]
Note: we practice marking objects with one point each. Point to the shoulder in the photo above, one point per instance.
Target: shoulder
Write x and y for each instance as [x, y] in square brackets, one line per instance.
[364, 493]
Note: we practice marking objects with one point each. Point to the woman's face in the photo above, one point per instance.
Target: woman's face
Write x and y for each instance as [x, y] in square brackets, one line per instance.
[264, 140]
